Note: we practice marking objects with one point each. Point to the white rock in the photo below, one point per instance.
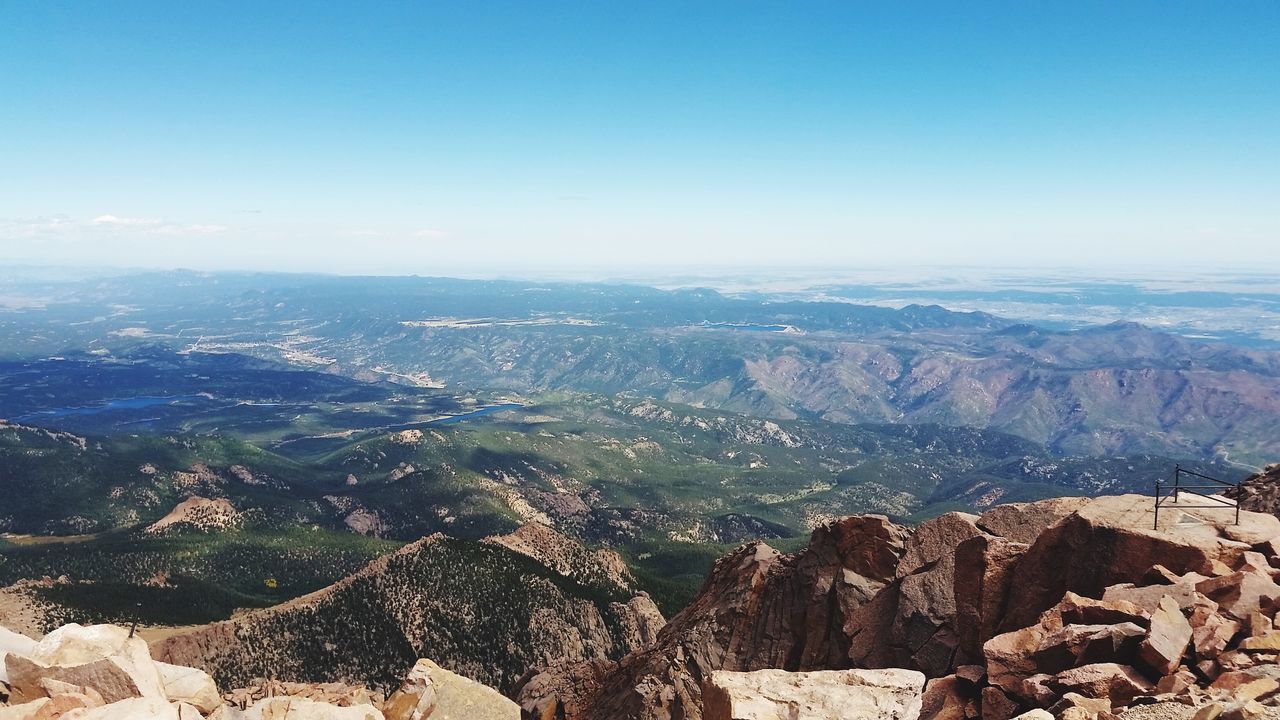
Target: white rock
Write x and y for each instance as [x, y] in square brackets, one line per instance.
[74, 644]
[823, 695]
[25, 711]
[189, 685]
[148, 708]
[430, 691]
[1036, 714]
[12, 642]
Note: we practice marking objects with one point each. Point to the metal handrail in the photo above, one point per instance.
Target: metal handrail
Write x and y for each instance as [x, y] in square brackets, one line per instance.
[1163, 497]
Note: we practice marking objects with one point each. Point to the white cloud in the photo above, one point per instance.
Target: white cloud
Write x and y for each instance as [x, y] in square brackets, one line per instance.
[431, 233]
[125, 221]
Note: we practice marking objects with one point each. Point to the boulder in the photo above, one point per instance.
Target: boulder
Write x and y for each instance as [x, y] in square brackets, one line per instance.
[980, 584]
[1114, 534]
[12, 642]
[1240, 593]
[151, 708]
[945, 699]
[76, 645]
[1167, 639]
[1078, 610]
[1011, 657]
[1023, 522]
[822, 695]
[431, 691]
[27, 679]
[1118, 683]
[189, 685]
[996, 705]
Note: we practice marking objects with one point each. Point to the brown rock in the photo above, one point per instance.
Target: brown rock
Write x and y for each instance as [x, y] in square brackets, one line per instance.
[983, 566]
[1210, 639]
[1110, 532]
[1240, 593]
[107, 678]
[996, 705]
[757, 609]
[1011, 657]
[1176, 682]
[945, 699]
[1023, 522]
[1167, 639]
[1118, 683]
[1078, 610]
[1268, 643]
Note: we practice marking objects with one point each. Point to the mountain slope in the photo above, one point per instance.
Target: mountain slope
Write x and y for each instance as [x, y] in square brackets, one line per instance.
[480, 609]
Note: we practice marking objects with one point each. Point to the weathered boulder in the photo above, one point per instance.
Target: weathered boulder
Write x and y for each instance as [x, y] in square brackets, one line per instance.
[12, 642]
[983, 567]
[1115, 534]
[77, 645]
[151, 708]
[945, 698]
[823, 695]
[431, 691]
[27, 679]
[189, 685]
[1023, 522]
[1118, 683]
[1167, 639]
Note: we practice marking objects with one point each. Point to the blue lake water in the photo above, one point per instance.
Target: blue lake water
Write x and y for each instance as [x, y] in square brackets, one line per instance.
[134, 403]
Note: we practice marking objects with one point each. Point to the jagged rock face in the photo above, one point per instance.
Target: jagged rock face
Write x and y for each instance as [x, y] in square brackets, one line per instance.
[911, 623]
[758, 609]
[480, 609]
[1028, 606]
[1260, 492]
[1110, 541]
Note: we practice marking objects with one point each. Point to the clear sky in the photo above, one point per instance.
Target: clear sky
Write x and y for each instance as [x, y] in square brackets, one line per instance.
[422, 136]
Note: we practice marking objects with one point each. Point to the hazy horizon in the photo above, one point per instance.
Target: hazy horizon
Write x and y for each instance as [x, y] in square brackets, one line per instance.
[427, 139]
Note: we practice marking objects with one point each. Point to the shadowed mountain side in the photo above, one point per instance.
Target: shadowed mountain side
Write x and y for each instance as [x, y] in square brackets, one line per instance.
[480, 609]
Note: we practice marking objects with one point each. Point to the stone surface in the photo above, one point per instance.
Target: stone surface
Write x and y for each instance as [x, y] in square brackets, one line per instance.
[757, 609]
[983, 567]
[945, 698]
[26, 678]
[1114, 532]
[1118, 683]
[1167, 639]
[823, 695]
[150, 708]
[431, 691]
[189, 685]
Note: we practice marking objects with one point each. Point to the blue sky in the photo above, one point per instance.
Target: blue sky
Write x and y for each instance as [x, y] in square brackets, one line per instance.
[420, 137]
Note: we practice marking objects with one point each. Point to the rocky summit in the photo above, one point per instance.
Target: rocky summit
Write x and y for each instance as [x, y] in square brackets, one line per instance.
[1076, 609]
[104, 672]
[1081, 609]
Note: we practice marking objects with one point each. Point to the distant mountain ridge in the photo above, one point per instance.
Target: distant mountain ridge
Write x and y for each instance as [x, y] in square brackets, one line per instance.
[1120, 388]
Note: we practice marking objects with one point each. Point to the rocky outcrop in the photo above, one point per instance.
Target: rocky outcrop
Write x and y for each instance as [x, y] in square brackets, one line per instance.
[1074, 606]
[199, 514]
[483, 610]
[758, 609]
[822, 695]
[1259, 492]
[102, 672]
